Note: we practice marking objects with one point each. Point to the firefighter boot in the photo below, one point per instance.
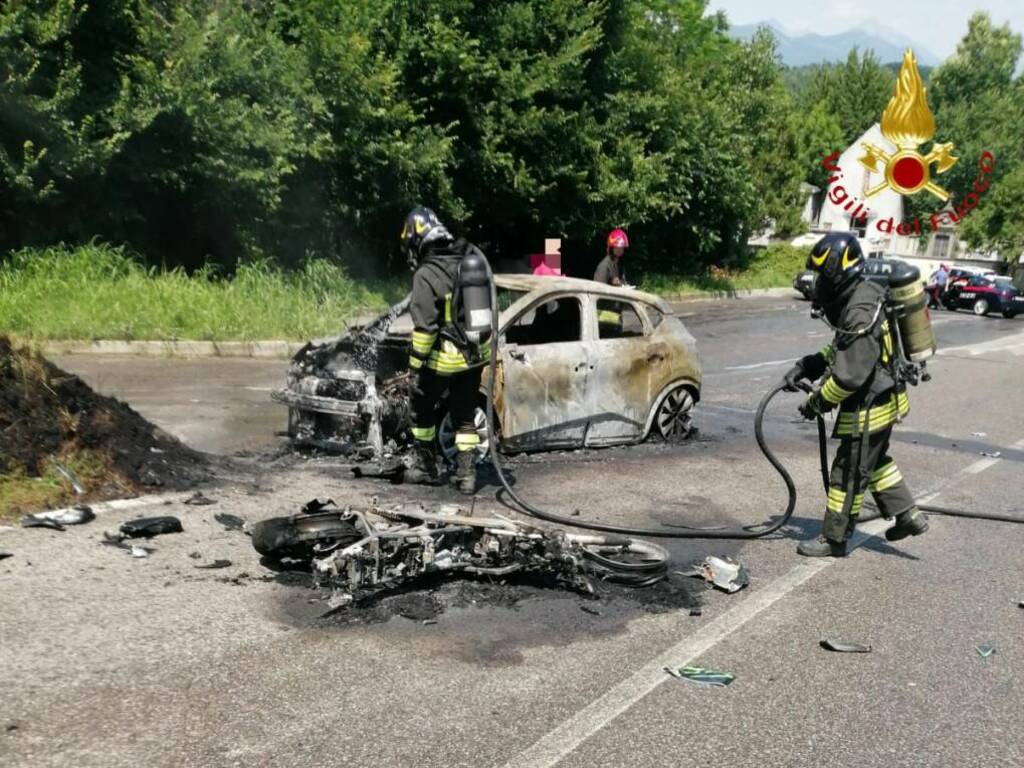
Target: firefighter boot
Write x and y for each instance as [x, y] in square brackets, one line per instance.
[832, 541]
[424, 466]
[913, 522]
[465, 472]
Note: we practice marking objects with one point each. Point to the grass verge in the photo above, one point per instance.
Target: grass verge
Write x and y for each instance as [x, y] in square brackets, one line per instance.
[100, 292]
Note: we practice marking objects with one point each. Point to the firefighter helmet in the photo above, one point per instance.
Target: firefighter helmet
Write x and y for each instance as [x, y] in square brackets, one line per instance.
[837, 262]
[617, 239]
[422, 228]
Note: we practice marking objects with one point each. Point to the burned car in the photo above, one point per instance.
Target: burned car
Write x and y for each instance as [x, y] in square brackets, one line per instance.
[579, 364]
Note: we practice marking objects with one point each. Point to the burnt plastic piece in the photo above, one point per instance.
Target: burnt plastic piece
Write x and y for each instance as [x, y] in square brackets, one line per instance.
[151, 526]
[30, 521]
[315, 505]
[5, 555]
[840, 647]
[199, 499]
[231, 522]
[214, 564]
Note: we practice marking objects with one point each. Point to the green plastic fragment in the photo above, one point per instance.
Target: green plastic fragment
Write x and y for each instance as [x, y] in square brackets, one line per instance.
[702, 676]
[985, 650]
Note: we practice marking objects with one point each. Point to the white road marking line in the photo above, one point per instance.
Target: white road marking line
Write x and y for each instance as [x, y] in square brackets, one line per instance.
[556, 744]
[982, 464]
[260, 389]
[1014, 344]
[766, 364]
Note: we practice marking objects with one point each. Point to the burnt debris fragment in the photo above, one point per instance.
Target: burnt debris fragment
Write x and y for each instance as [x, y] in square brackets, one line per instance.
[148, 527]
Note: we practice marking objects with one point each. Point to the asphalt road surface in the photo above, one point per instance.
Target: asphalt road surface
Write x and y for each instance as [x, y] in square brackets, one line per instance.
[113, 661]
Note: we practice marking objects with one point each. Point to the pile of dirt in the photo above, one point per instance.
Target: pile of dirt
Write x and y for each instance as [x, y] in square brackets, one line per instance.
[48, 415]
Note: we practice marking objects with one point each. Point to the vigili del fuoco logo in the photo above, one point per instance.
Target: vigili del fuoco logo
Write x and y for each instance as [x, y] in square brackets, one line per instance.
[908, 123]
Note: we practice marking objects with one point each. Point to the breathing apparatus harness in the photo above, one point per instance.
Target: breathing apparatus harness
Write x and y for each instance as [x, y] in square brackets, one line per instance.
[906, 366]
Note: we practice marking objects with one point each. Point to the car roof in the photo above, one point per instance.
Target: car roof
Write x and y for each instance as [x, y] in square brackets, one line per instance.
[552, 284]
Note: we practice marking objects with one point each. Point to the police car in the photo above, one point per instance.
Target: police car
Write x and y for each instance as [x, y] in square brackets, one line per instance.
[983, 294]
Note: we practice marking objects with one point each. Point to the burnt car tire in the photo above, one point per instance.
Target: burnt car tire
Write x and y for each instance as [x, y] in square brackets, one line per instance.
[296, 536]
[674, 418]
[980, 307]
[446, 436]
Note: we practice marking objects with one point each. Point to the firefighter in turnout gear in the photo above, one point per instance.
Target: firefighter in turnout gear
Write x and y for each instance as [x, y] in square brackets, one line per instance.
[858, 368]
[441, 358]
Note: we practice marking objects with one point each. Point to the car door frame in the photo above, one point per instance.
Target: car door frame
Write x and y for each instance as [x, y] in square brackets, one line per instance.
[611, 390]
[546, 435]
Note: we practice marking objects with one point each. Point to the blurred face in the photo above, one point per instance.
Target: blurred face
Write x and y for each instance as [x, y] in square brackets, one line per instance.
[618, 251]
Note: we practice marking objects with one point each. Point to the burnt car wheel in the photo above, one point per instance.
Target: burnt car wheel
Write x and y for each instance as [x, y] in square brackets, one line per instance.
[446, 435]
[674, 418]
[980, 307]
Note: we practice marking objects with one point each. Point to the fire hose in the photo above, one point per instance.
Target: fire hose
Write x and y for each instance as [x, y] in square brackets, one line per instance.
[680, 531]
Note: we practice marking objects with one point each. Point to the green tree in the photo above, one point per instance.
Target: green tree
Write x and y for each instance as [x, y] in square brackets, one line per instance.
[856, 92]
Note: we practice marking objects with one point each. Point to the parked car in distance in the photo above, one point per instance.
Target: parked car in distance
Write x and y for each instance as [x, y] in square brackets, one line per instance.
[983, 294]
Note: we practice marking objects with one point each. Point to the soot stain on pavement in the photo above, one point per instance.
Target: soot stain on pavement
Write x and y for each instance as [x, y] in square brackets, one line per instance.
[487, 623]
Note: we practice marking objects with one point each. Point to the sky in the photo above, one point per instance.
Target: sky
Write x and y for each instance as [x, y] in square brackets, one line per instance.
[936, 24]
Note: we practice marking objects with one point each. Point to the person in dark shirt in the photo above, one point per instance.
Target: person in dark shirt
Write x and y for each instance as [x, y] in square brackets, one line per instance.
[609, 271]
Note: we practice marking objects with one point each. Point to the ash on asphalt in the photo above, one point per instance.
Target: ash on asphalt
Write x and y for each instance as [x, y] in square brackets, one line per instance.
[487, 622]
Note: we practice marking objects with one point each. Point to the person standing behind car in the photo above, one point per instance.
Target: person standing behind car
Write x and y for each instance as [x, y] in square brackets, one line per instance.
[609, 270]
[938, 281]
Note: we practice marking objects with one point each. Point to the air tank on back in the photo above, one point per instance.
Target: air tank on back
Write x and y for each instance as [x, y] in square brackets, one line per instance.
[474, 289]
[911, 309]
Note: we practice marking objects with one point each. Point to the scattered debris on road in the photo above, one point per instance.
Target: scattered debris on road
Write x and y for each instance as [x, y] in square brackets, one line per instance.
[723, 572]
[215, 564]
[591, 611]
[839, 646]
[229, 521]
[58, 518]
[993, 455]
[118, 542]
[199, 499]
[706, 677]
[148, 527]
[5, 555]
[979, 434]
[985, 650]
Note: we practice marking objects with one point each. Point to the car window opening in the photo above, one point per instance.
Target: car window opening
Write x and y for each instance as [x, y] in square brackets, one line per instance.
[618, 320]
[552, 322]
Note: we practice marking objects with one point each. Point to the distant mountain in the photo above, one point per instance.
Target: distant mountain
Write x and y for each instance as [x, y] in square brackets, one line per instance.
[798, 50]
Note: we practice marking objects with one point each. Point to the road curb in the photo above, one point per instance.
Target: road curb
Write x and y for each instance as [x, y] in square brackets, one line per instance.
[277, 349]
[751, 293]
[272, 349]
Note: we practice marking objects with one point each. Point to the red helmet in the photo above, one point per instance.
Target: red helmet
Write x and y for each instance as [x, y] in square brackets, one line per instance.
[617, 239]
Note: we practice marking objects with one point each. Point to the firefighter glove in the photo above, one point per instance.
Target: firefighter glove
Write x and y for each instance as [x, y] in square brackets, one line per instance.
[793, 376]
[814, 406]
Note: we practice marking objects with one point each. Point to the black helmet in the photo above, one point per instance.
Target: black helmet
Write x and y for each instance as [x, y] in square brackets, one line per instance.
[837, 262]
[422, 228]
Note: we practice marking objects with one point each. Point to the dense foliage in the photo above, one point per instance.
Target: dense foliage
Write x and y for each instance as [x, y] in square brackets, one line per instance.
[244, 130]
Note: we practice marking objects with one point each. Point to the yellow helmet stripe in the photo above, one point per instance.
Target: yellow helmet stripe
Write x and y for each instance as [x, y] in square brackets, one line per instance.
[819, 260]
